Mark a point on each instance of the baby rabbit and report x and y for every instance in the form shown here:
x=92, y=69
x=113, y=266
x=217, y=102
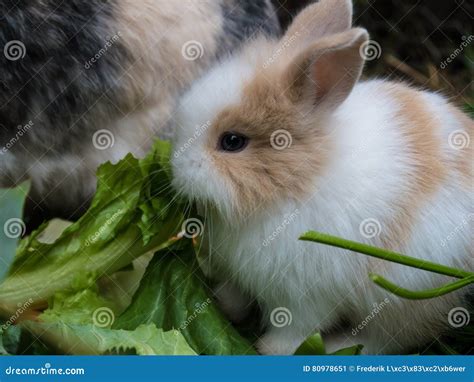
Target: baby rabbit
x=283, y=138
x=87, y=81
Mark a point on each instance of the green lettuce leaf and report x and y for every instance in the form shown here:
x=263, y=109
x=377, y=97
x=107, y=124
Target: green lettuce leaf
x=352, y=350
x=132, y=213
x=93, y=340
x=174, y=295
x=78, y=322
x=77, y=307
x=314, y=345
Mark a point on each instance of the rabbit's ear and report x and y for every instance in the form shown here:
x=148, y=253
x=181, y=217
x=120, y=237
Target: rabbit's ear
x=318, y=20
x=325, y=73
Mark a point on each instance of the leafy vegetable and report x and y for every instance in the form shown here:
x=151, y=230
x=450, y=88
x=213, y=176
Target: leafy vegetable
x=132, y=212
x=78, y=322
x=173, y=295
x=12, y=226
x=90, y=339
x=314, y=345
x=77, y=307
x=130, y=215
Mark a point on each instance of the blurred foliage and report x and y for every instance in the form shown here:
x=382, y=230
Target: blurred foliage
x=416, y=37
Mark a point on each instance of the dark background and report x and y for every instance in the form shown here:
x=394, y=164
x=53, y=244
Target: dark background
x=416, y=37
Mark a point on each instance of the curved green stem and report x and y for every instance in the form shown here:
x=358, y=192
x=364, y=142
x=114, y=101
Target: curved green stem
x=420, y=295
x=384, y=254
x=465, y=277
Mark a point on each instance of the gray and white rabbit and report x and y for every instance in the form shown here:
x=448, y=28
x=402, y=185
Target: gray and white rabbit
x=83, y=82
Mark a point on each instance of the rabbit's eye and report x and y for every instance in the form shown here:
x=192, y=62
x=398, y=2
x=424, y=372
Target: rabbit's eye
x=233, y=142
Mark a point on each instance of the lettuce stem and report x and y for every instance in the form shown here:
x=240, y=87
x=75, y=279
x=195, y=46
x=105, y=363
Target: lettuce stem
x=43, y=283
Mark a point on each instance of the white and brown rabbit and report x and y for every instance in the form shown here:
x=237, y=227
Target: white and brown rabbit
x=283, y=138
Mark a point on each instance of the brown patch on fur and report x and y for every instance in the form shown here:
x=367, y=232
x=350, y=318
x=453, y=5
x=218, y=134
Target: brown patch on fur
x=291, y=99
x=425, y=152
x=261, y=174
x=464, y=158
